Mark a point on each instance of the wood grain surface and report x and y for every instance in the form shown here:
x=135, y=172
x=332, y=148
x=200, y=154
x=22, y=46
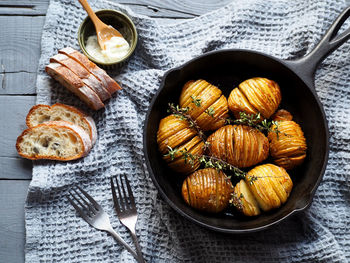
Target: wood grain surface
x=21, y=23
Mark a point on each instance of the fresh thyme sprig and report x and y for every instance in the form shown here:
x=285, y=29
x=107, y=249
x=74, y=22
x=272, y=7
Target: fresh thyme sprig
x=254, y=121
x=246, y=119
x=206, y=160
x=217, y=163
x=182, y=113
x=171, y=153
x=213, y=162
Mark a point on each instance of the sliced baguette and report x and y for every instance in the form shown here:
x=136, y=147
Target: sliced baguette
x=89, y=79
x=54, y=140
x=60, y=112
x=110, y=84
x=73, y=83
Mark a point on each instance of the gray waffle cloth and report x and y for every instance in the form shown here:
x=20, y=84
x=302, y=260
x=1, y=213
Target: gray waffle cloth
x=285, y=29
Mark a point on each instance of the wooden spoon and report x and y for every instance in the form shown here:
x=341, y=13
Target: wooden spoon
x=104, y=32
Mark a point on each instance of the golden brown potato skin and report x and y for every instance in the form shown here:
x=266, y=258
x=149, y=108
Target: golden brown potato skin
x=272, y=186
x=175, y=133
x=288, y=149
x=239, y=145
x=210, y=98
x=282, y=115
x=255, y=95
x=207, y=190
x=244, y=200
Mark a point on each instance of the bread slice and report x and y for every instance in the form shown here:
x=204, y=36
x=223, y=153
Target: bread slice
x=73, y=83
x=54, y=140
x=60, y=112
x=89, y=79
x=110, y=84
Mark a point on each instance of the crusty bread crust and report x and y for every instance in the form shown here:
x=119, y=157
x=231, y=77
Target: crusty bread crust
x=80, y=135
x=110, y=84
x=31, y=119
x=73, y=83
x=32, y=111
x=93, y=129
x=89, y=79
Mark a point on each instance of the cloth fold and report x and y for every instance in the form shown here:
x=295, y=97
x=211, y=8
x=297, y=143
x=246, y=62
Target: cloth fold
x=285, y=29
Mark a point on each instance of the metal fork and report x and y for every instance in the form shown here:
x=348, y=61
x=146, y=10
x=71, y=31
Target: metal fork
x=126, y=209
x=93, y=213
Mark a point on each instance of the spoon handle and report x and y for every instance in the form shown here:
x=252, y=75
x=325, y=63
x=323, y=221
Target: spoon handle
x=97, y=22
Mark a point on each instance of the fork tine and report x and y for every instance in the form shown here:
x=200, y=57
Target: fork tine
x=115, y=199
x=122, y=199
x=97, y=206
x=131, y=196
x=77, y=208
x=77, y=200
x=75, y=205
x=124, y=192
x=90, y=207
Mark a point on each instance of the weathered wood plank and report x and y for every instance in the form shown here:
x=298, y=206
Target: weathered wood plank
x=17, y=83
x=13, y=111
x=20, y=43
x=19, y=53
x=23, y=7
x=12, y=231
x=15, y=168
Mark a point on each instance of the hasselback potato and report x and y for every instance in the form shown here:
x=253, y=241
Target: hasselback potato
x=207, y=190
x=255, y=95
x=265, y=187
x=288, y=147
x=206, y=104
x=175, y=133
x=270, y=185
x=239, y=145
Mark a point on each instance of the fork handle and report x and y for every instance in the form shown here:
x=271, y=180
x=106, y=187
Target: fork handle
x=138, y=248
x=121, y=241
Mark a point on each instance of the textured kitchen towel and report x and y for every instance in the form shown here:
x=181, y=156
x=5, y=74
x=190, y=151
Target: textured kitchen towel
x=285, y=29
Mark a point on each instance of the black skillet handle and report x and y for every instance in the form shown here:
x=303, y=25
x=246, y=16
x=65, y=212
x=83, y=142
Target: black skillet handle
x=306, y=66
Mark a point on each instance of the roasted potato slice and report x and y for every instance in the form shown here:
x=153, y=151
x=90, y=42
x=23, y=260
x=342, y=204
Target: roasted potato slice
x=207, y=190
x=239, y=145
x=175, y=133
x=255, y=95
x=288, y=147
x=206, y=104
x=270, y=185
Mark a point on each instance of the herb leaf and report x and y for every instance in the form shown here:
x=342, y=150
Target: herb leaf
x=254, y=121
x=210, y=112
x=196, y=101
x=182, y=113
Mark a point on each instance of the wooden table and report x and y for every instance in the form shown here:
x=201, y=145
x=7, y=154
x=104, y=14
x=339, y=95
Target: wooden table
x=21, y=23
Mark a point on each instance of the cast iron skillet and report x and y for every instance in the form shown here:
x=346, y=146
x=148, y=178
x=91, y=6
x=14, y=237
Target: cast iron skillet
x=226, y=69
